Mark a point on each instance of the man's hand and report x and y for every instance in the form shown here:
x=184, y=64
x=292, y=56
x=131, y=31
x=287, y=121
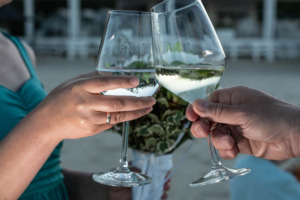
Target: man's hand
x=260, y=124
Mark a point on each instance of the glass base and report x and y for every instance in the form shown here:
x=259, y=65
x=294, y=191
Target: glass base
x=121, y=178
x=218, y=175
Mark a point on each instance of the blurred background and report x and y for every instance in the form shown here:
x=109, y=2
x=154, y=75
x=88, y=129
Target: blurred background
x=261, y=38
x=255, y=29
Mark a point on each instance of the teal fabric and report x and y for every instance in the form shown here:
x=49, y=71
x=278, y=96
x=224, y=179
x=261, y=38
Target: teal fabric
x=265, y=181
x=14, y=106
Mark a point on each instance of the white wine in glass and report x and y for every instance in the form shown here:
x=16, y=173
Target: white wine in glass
x=126, y=49
x=190, y=82
x=189, y=62
x=147, y=87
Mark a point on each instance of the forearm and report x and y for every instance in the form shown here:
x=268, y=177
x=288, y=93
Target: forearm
x=80, y=185
x=22, y=153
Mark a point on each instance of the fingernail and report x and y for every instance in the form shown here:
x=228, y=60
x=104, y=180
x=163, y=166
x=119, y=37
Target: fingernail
x=224, y=142
x=198, y=131
x=201, y=104
x=134, y=81
x=205, y=120
x=151, y=100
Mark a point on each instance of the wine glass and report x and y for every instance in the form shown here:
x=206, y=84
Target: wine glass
x=189, y=61
x=126, y=49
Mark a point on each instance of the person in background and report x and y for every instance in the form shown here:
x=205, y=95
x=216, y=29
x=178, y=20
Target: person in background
x=261, y=126
x=34, y=124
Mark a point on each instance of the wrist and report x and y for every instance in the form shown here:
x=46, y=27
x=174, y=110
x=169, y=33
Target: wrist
x=37, y=125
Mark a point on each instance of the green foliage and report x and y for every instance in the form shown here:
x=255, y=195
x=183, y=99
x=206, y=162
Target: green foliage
x=158, y=131
x=177, y=63
x=178, y=47
x=107, y=65
x=137, y=65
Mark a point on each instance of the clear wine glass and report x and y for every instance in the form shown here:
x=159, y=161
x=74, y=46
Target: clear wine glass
x=126, y=49
x=189, y=61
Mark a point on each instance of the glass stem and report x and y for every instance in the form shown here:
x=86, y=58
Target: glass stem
x=123, y=165
x=214, y=156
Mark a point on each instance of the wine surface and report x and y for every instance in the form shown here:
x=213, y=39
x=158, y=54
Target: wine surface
x=147, y=87
x=190, y=82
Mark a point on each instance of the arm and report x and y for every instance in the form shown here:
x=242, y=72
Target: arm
x=22, y=153
x=72, y=110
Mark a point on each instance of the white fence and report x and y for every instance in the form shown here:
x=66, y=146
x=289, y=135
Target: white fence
x=259, y=48
x=255, y=49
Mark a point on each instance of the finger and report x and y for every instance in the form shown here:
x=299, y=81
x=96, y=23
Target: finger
x=242, y=143
x=218, y=112
x=167, y=187
x=118, y=117
x=117, y=193
x=164, y=196
x=168, y=182
x=190, y=114
x=98, y=84
x=167, y=174
x=120, y=103
x=229, y=154
x=221, y=140
x=200, y=128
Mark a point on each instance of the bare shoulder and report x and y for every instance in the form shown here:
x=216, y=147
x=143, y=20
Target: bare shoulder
x=30, y=53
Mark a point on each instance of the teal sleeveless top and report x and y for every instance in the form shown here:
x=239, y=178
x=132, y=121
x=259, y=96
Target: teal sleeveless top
x=14, y=106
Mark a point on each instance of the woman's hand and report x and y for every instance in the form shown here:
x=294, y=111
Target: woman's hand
x=72, y=110
x=75, y=109
x=260, y=124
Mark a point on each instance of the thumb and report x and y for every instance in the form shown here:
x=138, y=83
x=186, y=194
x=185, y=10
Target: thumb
x=217, y=112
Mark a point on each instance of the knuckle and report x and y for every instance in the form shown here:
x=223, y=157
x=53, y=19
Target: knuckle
x=102, y=82
x=117, y=104
x=214, y=94
x=140, y=104
x=143, y=103
x=123, y=82
x=219, y=110
x=240, y=89
x=81, y=106
x=242, y=113
x=74, y=88
x=120, y=117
